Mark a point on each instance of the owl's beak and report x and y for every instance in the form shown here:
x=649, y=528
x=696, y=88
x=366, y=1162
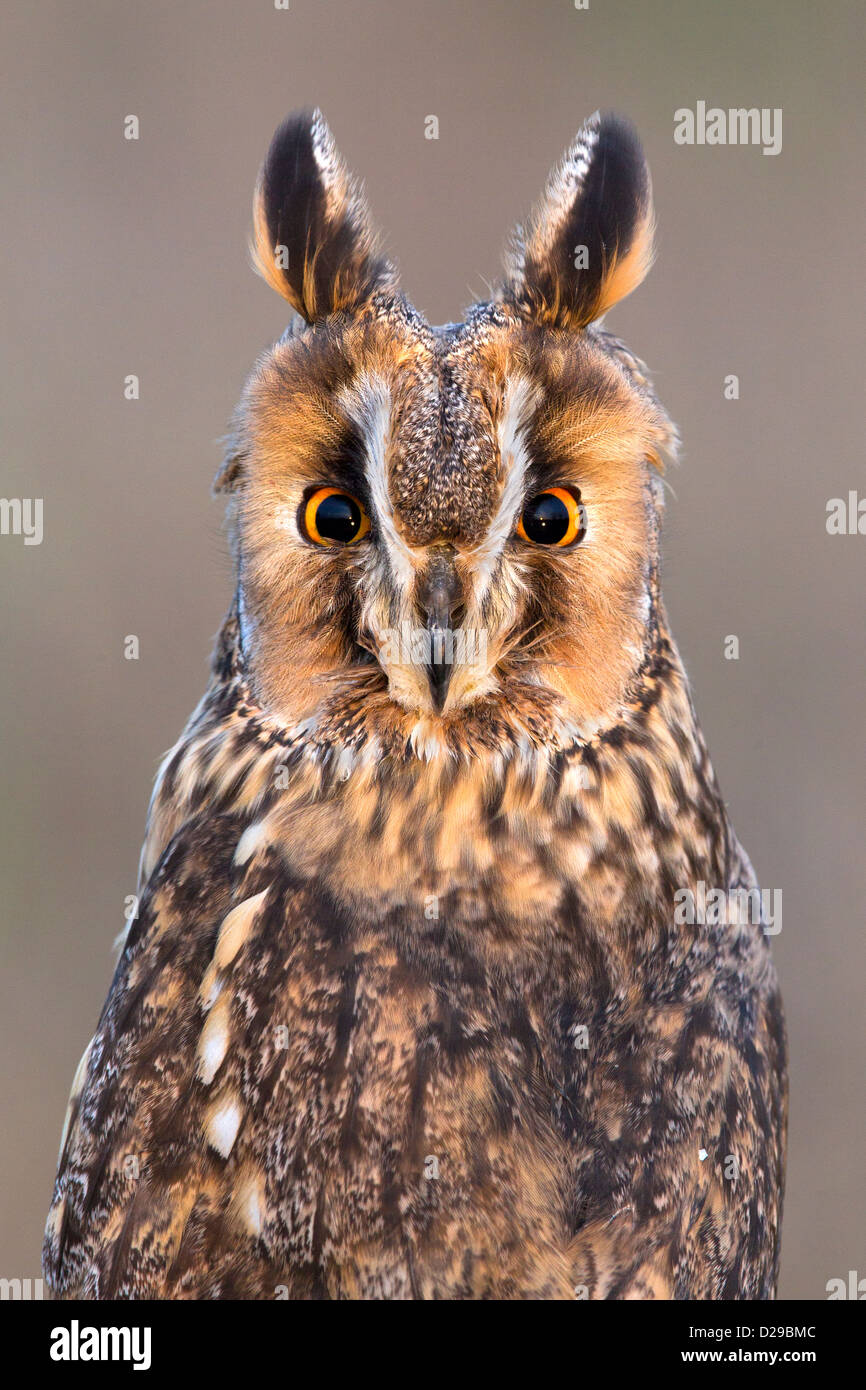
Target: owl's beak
x=440, y=595
x=439, y=670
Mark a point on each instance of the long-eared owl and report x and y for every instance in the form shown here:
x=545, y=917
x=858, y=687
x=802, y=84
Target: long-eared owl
x=411, y=1007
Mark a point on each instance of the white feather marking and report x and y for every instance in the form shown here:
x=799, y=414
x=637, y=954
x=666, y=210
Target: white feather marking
x=344, y=763
x=371, y=754
x=564, y=186
x=305, y=729
x=77, y=1087
x=324, y=151
x=247, y=1206
x=222, y=1124
x=368, y=403
x=56, y=1215
x=246, y=625
x=253, y=839
x=214, y=1040
x=520, y=401
x=210, y=987
x=235, y=929
x=343, y=193
x=426, y=743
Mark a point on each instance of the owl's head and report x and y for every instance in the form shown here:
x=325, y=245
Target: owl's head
x=443, y=528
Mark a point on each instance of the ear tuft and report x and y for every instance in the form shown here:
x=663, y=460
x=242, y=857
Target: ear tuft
x=589, y=241
x=312, y=237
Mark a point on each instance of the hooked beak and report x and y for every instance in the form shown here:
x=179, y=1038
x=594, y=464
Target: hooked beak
x=440, y=596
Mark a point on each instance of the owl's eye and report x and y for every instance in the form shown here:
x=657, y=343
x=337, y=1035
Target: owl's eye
x=332, y=517
x=553, y=517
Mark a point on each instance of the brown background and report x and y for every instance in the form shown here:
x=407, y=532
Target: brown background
x=130, y=257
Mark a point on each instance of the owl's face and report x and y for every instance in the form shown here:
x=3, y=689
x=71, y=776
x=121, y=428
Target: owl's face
x=448, y=526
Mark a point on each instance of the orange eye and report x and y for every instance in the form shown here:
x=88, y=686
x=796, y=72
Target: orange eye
x=333, y=517
x=553, y=517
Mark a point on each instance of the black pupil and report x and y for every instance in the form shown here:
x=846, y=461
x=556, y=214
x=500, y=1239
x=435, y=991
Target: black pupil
x=338, y=518
x=545, y=519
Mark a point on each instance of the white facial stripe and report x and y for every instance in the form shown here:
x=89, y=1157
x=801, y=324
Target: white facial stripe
x=368, y=404
x=521, y=397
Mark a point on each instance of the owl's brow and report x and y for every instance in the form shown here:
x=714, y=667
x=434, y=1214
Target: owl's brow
x=601, y=434
x=368, y=404
x=521, y=398
x=606, y=432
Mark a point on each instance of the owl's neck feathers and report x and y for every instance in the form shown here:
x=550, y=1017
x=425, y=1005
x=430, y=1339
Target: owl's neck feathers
x=419, y=808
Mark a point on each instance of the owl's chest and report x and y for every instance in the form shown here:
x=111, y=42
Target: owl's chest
x=434, y=1074
x=438, y=1002
x=408, y=1109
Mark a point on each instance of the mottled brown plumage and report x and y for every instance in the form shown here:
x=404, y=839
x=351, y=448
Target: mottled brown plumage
x=407, y=1011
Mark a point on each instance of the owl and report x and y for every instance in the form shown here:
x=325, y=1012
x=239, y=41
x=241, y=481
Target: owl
x=412, y=1006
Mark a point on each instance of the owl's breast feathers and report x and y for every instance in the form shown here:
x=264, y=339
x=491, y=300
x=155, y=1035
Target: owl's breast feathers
x=408, y=1020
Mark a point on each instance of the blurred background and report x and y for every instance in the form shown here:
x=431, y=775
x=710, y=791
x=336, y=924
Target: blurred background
x=129, y=257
